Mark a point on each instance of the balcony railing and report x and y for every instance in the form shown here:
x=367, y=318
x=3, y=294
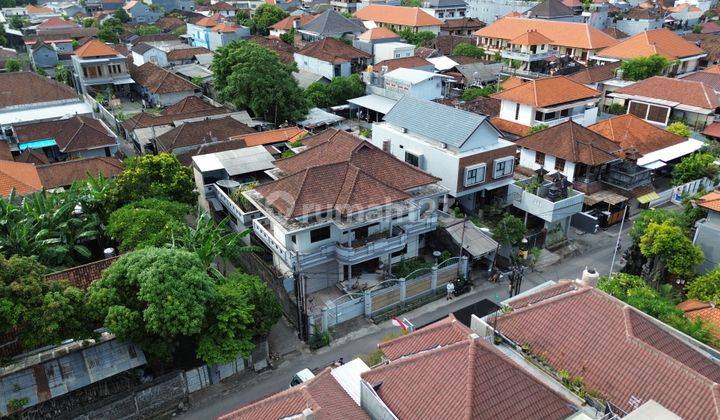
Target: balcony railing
x=242, y=217
x=626, y=175
x=525, y=55
x=585, y=118
x=540, y=205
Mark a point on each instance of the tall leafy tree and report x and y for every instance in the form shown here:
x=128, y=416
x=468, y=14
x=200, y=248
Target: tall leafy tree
x=121, y=15
x=669, y=249
x=267, y=15
x=695, y=166
x=147, y=223
x=63, y=75
x=706, y=287
x=253, y=77
x=468, y=50
x=419, y=38
x=509, y=230
x=643, y=67
x=12, y=65
x=337, y=92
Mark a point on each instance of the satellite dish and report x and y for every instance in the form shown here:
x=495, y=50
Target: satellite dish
x=227, y=184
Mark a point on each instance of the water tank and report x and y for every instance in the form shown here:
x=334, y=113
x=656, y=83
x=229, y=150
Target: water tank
x=590, y=276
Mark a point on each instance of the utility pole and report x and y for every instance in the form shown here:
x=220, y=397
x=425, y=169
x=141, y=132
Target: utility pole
x=617, y=243
x=300, y=296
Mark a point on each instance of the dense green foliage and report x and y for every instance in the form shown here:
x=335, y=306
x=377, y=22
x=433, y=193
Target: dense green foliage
x=110, y=30
x=659, y=304
x=3, y=37
x=537, y=128
x=419, y=38
x=671, y=246
x=695, y=166
x=337, y=92
x=265, y=16
x=468, y=50
x=679, y=128
x=509, y=230
x=474, y=92
x=288, y=37
x=252, y=77
x=63, y=75
x=643, y=67
x=706, y=287
x=147, y=223
x=12, y=65
x=121, y=15
x=147, y=30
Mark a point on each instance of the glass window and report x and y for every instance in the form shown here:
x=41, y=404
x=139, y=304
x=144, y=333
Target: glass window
x=321, y=234
x=538, y=116
x=412, y=159
x=474, y=175
x=559, y=164
x=503, y=167
x=565, y=112
x=540, y=158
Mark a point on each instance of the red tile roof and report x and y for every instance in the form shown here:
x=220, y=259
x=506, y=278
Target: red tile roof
x=470, y=379
x=595, y=74
x=378, y=33
x=710, y=201
x=21, y=177
x=186, y=53
x=397, y=15
x=20, y=88
x=572, y=142
x=619, y=352
x=158, y=80
x=322, y=394
x=438, y=334
x=84, y=275
x=712, y=130
x=631, y=132
x=95, y=48
x=547, y=92
x=709, y=313
x=73, y=134
x=332, y=51
x=206, y=22
x=658, y=41
x=510, y=126
x=62, y=174
x=288, y=23
x=195, y=133
x=56, y=22
x=686, y=92
x=273, y=136
x=405, y=62
x=568, y=34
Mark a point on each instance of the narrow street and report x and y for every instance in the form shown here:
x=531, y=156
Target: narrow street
x=593, y=251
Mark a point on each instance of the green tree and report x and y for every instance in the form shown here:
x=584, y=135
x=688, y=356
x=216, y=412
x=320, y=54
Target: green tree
x=537, y=128
x=697, y=29
x=3, y=37
x=153, y=176
x=509, y=230
x=419, y=38
x=63, y=75
x=198, y=81
x=475, y=92
x=253, y=77
x=88, y=22
x=643, y=67
x=267, y=15
x=157, y=298
x=147, y=30
x=411, y=3
x=669, y=248
x=110, y=30
x=337, y=92
x=147, y=223
x=121, y=15
x=12, y=65
x=706, y=287
x=17, y=22
x=695, y=166
x=468, y=50
x=643, y=220
x=4, y=4
x=288, y=37
x=679, y=128
x=266, y=308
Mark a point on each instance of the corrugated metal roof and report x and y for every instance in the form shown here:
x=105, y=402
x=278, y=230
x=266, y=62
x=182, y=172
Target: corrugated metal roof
x=438, y=122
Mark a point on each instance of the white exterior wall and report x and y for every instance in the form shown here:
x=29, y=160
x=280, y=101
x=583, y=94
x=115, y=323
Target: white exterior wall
x=525, y=117
x=151, y=56
x=633, y=27
x=489, y=11
x=527, y=160
x=319, y=67
x=167, y=99
x=392, y=50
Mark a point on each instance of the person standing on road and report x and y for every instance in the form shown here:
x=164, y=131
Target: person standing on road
x=450, y=287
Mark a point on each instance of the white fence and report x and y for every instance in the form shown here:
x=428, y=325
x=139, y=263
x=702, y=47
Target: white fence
x=676, y=194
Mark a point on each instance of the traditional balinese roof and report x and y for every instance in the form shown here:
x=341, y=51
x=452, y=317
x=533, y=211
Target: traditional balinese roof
x=340, y=172
x=547, y=92
x=572, y=142
x=21, y=177
x=190, y=134
x=20, y=88
x=62, y=174
x=568, y=34
x=397, y=15
x=332, y=51
x=686, y=92
x=158, y=80
x=620, y=353
x=95, y=48
x=73, y=134
x=631, y=132
x=658, y=41
x=595, y=74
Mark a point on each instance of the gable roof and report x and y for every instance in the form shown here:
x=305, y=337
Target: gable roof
x=77, y=133
x=378, y=33
x=615, y=33
x=32, y=9
x=430, y=119
x=205, y=22
x=405, y=62
x=686, y=92
x=283, y=50
x=186, y=53
x=547, y=91
x=289, y=22
x=438, y=334
x=22, y=177
x=710, y=201
x=330, y=23
x=631, y=132
x=273, y=136
x=185, y=109
x=572, y=142
x=158, y=80
x=550, y=9
x=658, y=41
x=616, y=349
x=568, y=34
x=95, y=48
x=195, y=133
x=332, y=51
x=82, y=276
x=20, y=88
x=57, y=22
x=531, y=37
x=595, y=74
x=61, y=174
x=397, y=15
x=470, y=379
x=708, y=312
x=708, y=78
x=342, y=172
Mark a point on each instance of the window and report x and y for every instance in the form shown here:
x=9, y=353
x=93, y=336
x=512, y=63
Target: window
x=517, y=111
x=503, y=167
x=540, y=158
x=538, y=116
x=412, y=159
x=474, y=174
x=559, y=164
x=565, y=112
x=321, y=234
x=638, y=109
x=658, y=114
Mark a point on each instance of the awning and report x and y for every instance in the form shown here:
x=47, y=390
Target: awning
x=604, y=196
x=37, y=144
x=672, y=152
x=474, y=241
x=655, y=165
x=123, y=81
x=644, y=199
x=376, y=103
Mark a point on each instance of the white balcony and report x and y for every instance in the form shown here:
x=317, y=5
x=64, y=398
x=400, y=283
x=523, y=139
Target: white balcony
x=242, y=219
x=588, y=117
x=540, y=205
x=526, y=55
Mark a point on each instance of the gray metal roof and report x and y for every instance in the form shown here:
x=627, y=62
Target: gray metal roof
x=479, y=72
x=331, y=22
x=435, y=121
x=474, y=241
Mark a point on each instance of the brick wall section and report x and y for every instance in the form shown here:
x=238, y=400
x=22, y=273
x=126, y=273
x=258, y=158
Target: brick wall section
x=83, y=276
x=489, y=159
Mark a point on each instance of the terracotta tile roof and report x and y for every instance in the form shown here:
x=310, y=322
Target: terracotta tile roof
x=378, y=33
x=144, y=119
x=568, y=34
x=190, y=104
x=479, y=105
x=32, y=9
x=547, y=92
x=511, y=82
x=619, y=352
x=84, y=275
x=333, y=51
x=22, y=177
x=710, y=201
x=631, y=132
x=95, y=48
x=73, y=134
x=438, y=334
x=205, y=22
x=158, y=80
x=425, y=52
x=659, y=41
x=572, y=142
x=445, y=44
x=686, y=92
x=61, y=174
x=225, y=28
x=5, y=153
x=169, y=23
x=463, y=23
x=707, y=312
x=33, y=156
x=531, y=37
x=283, y=50
x=273, y=136
x=712, y=130
x=155, y=38
x=186, y=53
x=55, y=22
x=615, y=33
x=595, y=74
x=713, y=69
x=287, y=23
x=710, y=28
x=20, y=88
x=195, y=133
x=342, y=172
x=510, y=126
x=405, y=62
x=322, y=394
x=470, y=379
x=710, y=43
x=397, y=15
x=712, y=80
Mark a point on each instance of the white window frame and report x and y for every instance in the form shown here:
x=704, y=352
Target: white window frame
x=505, y=172
x=419, y=157
x=478, y=179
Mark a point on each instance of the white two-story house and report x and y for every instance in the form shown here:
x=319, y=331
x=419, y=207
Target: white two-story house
x=98, y=68
x=342, y=208
x=461, y=148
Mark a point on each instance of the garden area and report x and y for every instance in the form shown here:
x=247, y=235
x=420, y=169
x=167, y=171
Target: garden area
x=169, y=291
